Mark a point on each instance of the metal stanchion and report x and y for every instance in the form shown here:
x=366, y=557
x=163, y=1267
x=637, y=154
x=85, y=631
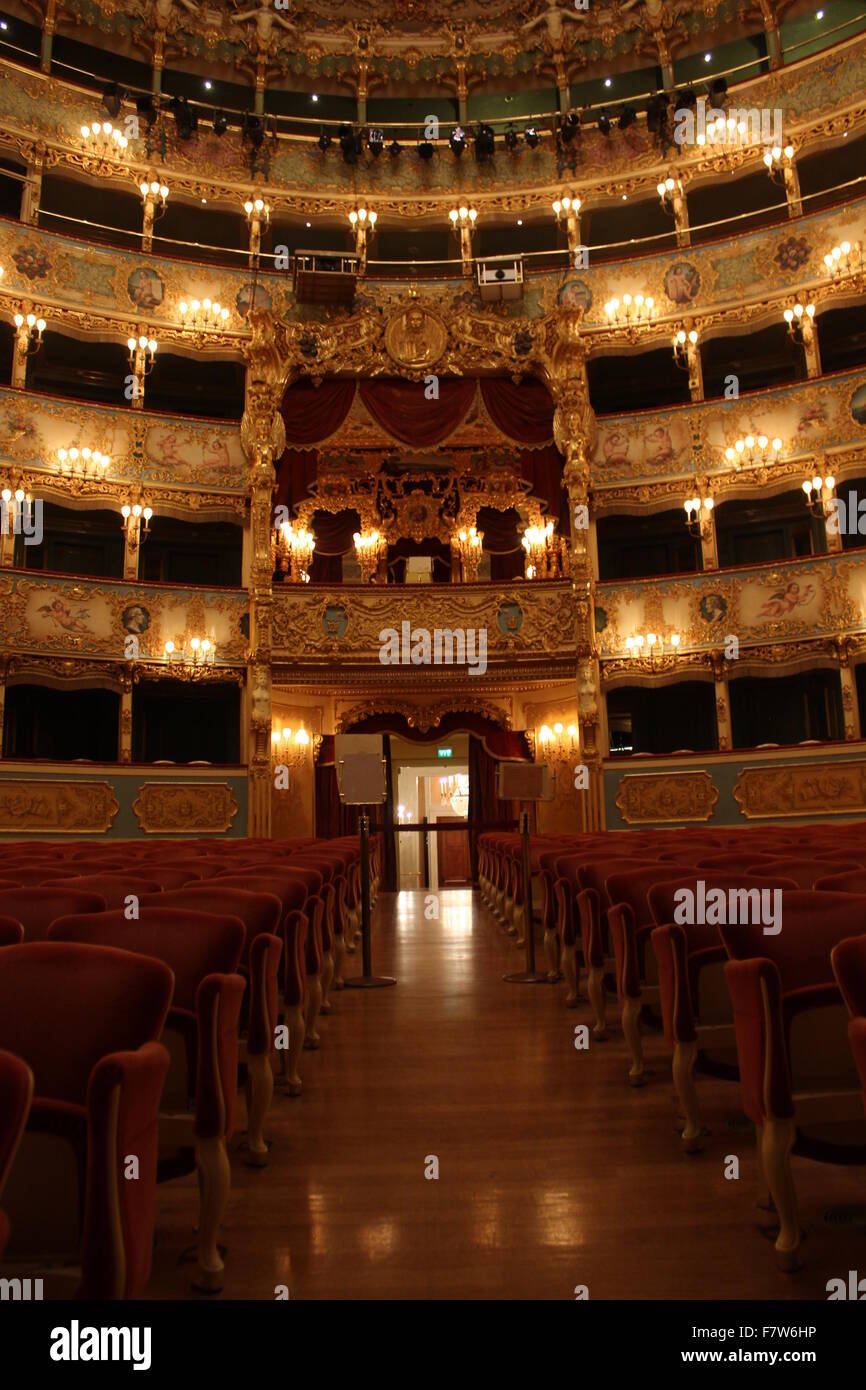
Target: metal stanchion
x=529, y=976
x=367, y=980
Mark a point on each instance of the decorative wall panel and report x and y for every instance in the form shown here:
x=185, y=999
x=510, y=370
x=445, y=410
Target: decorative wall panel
x=664, y=797
x=185, y=808
x=77, y=808
x=779, y=792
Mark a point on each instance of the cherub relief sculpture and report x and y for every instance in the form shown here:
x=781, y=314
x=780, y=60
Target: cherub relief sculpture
x=265, y=17
x=162, y=13
x=553, y=18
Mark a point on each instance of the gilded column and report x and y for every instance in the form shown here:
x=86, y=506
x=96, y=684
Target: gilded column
x=48, y=27
x=574, y=432
x=263, y=437
x=771, y=28
x=723, y=703
x=125, y=749
x=32, y=189
x=850, y=703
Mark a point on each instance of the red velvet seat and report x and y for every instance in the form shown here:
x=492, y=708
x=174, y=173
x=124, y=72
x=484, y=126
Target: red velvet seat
x=16, y=1094
x=803, y=869
x=114, y=889
x=98, y=1075
x=197, y=1115
x=11, y=932
x=592, y=902
x=799, y=1082
x=852, y=881
x=849, y=967
x=696, y=1007
x=36, y=908
x=261, y=914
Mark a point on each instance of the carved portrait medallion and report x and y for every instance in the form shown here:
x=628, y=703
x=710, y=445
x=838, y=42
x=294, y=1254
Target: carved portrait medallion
x=415, y=337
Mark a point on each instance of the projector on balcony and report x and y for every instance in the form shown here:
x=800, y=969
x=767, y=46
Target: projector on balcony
x=500, y=277
x=325, y=277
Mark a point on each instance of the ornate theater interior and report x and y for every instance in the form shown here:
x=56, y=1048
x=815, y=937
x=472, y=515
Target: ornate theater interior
x=432, y=650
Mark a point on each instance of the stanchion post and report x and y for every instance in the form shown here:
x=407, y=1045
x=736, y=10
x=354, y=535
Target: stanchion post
x=529, y=976
x=367, y=980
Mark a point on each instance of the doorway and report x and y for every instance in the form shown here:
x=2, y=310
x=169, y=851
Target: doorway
x=431, y=785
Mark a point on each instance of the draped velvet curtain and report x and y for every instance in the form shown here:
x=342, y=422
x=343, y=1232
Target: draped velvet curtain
x=485, y=806
x=523, y=413
x=502, y=542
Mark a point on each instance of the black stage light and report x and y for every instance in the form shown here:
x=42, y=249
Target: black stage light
x=185, y=119
x=627, y=117
x=252, y=131
x=485, y=141
x=146, y=109
x=687, y=99
x=348, y=145
x=657, y=113
x=394, y=149
x=530, y=135
x=220, y=122
x=111, y=98
x=324, y=141
x=457, y=140
x=425, y=149
x=511, y=138
x=375, y=141
x=604, y=123
x=718, y=89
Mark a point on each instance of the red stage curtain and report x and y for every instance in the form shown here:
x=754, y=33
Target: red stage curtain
x=542, y=469
x=296, y=471
x=403, y=411
x=313, y=413
x=523, y=413
x=502, y=542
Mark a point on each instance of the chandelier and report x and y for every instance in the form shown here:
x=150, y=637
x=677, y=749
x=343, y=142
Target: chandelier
x=202, y=315
x=466, y=545
x=653, y=652
x=193, y=656
x=631, y=310
x=455, y=790
x=83, y=463
x=104, y=139
x=751, y=450
x=294, y=552
x=369, y=549
x=542, y=558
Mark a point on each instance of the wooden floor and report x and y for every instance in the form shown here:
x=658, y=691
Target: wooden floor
x=552, y=1172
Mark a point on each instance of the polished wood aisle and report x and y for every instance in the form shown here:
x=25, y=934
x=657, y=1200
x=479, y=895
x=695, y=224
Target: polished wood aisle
x=552, y=1172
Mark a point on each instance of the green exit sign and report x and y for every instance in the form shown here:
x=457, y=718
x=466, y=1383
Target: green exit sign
x=443, y=752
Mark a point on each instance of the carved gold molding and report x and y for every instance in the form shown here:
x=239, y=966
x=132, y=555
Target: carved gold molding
x=78, y=808
x=662, y=798
x=780, y=792
x=188, y=808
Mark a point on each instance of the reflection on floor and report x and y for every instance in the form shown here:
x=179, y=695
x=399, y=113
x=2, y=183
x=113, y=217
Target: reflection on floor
x=552, y=1172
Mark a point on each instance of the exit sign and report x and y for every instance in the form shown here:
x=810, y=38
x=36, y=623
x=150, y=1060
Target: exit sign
x=443, y=752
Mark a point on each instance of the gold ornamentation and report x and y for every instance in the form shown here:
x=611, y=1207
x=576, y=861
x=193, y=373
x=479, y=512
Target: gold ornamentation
x=77, y=808
x=807, y=789
x=662, y=798
x=185, y=808
x=424, y=717
x=415, y=337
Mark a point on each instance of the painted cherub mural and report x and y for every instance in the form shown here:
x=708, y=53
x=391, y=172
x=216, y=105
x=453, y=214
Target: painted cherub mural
x=658, y=446
x=615, y=446
x=65, y=617
x=784, y=601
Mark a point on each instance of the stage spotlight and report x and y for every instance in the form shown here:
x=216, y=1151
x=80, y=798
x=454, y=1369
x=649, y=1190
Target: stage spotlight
x=718, y=89
x=425, y=149
x=324, y=141
x=146, y=109
x=252, y=131
x=627, y=117
x=349, y=145
x=220, y=122
x=687, y=99
x=530, y=135
x=111, y=98
x=657, y=113
x=185, y=118
x=457, y=140
x=485, y=141
x=394, y=148
x=511, y=138
x=375, y=141
x=604, y=123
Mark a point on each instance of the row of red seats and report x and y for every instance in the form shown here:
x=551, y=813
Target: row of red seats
x=776, y=1001
x=135, y=979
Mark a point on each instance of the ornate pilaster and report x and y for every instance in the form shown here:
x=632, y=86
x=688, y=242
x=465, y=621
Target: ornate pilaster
x=32, y=189
x=850, y=703
x=49, y=24
x=723, y=702
x=771, y=28
x=125, y=749
x=574, y=432
x=263, y=438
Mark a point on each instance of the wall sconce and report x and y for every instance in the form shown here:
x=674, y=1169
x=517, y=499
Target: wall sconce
x=819, y=493
x=631, y=310
x=257, y=210
x=752, y=450
x=844, y=259
x=698, y=515
x=104, y=140
x=85, y=463
x=652, y=652
x=467, y=546
x=153, y=197
x=369, y=549
x=566, y=208
x=799, y=320
x=463, y=223
x=142, y=351
x=136, y=523
x=202, y=316
x=683, y=340
x=558, y=742
x=363, y=225
x=286, y=749
x=667, y=191
x=28, y=336
x=17, y=501
x=194, y=656
x=294, y=552
x=778, y=160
